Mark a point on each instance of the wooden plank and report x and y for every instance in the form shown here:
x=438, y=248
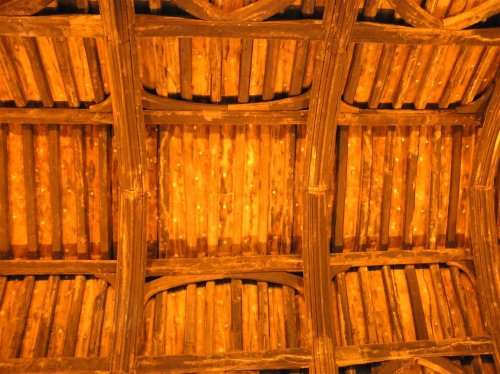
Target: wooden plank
x=370, y=353
x=11, y=75
x=4, y=197
x=55, y=191
x=126, y=92
x=456, y=162
x=19, y=324
x=55, y=364
x=30, y=190
x=48, y=267
x=294, y=358
x=74, y=25
x=74, y=312
x=46, y=317
x=384, y=33
x=36, y=63
x=149, y=25
x=64, y=61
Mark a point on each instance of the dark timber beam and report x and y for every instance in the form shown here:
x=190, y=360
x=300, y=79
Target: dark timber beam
x=235, y=264
x=363, y=117
x=329, y=76
x=369, y=32
x=118, y=20
x=484, y=230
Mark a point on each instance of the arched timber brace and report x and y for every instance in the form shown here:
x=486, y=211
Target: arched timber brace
x=118, y=19
x=484, y=230
x=329, y=76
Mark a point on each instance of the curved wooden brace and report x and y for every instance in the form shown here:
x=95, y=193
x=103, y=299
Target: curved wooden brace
x=466, y=269
x=257, y=11
x=415, y=15
x=22, y=7
x=478, y=105
x=155, y=102
x=472, y=16
x=166, y=283
x=391, y=367
x=104, y=106
x=336, y=269
x=110, y=278
x=439, y=365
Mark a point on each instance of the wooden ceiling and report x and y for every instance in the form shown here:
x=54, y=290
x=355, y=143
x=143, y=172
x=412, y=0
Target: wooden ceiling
x=289, y=186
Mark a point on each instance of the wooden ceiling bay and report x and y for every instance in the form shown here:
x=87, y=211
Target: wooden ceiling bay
x=249, y=186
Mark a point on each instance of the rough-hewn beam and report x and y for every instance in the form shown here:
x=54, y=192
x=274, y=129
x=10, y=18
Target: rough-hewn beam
x=369, y=32
x=55, y=364
x=149, y=25
x=293, y=358
x=52, y=267
x=78, y=25
x=329, y=76
x=364, y=117
x=126, y=89
x=484, y=230
x=365, y=354
x=234, y=264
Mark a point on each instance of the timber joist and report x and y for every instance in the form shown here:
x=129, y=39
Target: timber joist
x=236, y=186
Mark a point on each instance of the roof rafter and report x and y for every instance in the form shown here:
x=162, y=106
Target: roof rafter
x=118, y=21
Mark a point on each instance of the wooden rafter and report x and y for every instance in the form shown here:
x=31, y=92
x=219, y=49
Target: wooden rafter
x=484, y=230
x=118, y=21
x=328, y=82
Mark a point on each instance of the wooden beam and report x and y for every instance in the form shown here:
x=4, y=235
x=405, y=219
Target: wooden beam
x=55, y=364
x=75, y=25
x=328, y=83
x=54, y=115
x=126, y=90
x=234, y=264
x=150, y=25
x=362, y=117
x=484, y=230
x=52, y=267
x=369, y=32
x=369, y=353
x=264, y=118
x=292, y=358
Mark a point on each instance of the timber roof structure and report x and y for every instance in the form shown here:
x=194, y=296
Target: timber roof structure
x=249, y=186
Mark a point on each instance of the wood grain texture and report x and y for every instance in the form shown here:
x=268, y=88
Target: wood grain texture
x=118, y=18
x=484, y=233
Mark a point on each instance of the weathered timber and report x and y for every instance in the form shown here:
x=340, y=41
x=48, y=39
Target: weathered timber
x=484, y=231
x=259, y=118
x=148, y=25
x=30, y=190
x=365, y=354
x=54, y=115
x=118, y=21
x=55, y=364
x=22, y=8
x=234, y=264
x=52, y=267
x=293, y=358
x=330, y=72
x=55, y=191
x=78, y=25
x=415, y=15
x=369, y=32
x=4, y=197
x=347, y=117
